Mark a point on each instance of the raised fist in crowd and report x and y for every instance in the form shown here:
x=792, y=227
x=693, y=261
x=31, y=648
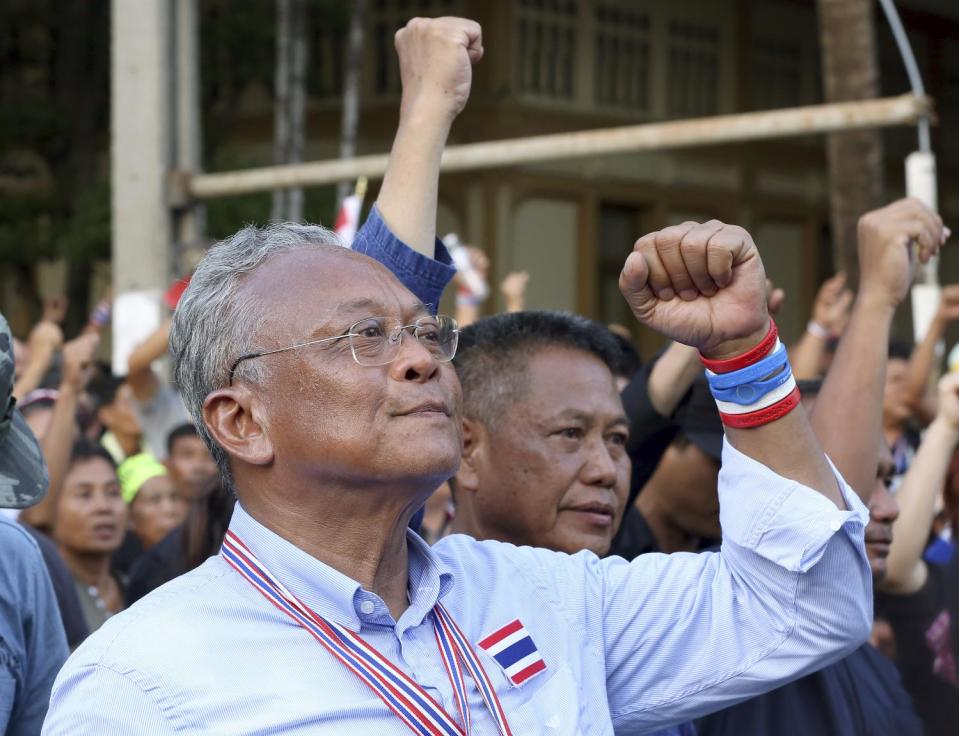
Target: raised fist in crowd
x=830, y=310
x=701, y=284
x=949, y=400
x=436, y=57
x=55, y=309
x=513, y=289
x=886, y=238
x=78, y=355
x=948, y=310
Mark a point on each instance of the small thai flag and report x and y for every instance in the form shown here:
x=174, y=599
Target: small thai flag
x=513, y=649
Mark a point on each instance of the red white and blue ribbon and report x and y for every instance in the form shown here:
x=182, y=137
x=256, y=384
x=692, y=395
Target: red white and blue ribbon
x=400, y=693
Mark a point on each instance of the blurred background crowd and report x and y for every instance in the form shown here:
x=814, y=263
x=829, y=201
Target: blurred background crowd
x=134, y=496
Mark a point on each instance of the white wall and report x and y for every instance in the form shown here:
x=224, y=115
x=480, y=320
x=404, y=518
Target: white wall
x=543, y=241
x=781, y=247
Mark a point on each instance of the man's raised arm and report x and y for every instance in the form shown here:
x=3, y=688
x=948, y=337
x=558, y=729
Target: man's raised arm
x=436, y=58
x=847, y=417
x=704, y=285
x=791, y=589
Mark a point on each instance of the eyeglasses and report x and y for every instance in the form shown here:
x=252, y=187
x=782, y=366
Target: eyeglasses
x=376, y=340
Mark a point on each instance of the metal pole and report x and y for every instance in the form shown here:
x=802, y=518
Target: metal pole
x=141, y=140
x=190, y=222
x=723, y=129
x=351, y=92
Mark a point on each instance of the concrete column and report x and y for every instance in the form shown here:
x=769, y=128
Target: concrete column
x=190, y=222
x=141, y=143
x=141, y=147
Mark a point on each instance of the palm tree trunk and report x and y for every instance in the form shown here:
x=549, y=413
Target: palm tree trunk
x=850, y=71
x=351, y=92
x=289, y=115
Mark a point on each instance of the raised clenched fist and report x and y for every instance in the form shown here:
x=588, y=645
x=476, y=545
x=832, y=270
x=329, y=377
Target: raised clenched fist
x=436, y=57
x=949, y=400
x=886, y=238
x=948, y=304
x=701, y=284
x=78, y=356
x=831, y=307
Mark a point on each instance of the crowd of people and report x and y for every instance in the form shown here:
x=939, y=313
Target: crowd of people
x=332, y=522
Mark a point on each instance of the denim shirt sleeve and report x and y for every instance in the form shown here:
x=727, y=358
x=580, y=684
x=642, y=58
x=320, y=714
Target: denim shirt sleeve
x=33, y=646
x=425, y=277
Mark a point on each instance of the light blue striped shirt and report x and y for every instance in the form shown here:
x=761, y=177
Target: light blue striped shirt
x=628, y=646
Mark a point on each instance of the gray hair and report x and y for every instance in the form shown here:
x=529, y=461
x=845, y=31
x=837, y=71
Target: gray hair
x=214, y=323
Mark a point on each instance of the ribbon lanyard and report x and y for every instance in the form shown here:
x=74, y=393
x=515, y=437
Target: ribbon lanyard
x=401, y=694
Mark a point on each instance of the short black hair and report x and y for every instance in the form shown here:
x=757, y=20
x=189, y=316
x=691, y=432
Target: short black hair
x=899, y=350
x=493, y=354
x=809, y=387
x=104, y=388
x=181, y=430
x=629, y=361
x=84, y=449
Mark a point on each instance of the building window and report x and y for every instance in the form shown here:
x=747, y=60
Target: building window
x=325, y=66
x=546, y=47
x=777, y=73
x=622, y=57
x=388, y=17
x=618, y=227
x=693, y=71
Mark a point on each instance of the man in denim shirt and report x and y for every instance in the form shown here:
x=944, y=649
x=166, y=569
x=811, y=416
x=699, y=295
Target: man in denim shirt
x=32, y=643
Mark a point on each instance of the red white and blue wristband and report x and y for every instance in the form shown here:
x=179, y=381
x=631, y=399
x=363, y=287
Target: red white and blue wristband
x=754, y=388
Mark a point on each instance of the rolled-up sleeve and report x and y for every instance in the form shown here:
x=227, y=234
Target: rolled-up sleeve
x=782, y=520
x=789, y=593
x=425, y=277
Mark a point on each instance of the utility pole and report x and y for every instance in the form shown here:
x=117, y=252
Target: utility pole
x=289, y=117
x=351, y=93
x=850, y=70
x=141, y=144
x=189, y=221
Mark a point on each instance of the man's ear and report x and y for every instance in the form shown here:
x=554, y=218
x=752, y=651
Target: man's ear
x=475, y=447
x=233, y=416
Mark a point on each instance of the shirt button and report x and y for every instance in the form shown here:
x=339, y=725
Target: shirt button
x=835, y=524
x=367, y=607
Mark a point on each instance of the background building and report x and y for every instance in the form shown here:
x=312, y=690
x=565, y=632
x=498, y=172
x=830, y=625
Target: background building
x=564, y=65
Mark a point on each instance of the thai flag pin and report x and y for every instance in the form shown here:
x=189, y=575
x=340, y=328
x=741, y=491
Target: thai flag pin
x=513, y=649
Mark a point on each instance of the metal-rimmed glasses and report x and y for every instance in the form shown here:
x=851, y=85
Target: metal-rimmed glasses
x=376, y=340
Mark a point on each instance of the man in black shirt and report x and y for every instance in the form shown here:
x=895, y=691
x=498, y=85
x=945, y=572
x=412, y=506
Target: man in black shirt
x=678, y=509
x=920, y=599
x=860, y=694
x=926, y=628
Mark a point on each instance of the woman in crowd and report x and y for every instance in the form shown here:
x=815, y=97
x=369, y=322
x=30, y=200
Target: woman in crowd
x=89, y=524
x=156, y=507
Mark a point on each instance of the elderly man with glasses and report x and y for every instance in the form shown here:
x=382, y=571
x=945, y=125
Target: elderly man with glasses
x=321, y=381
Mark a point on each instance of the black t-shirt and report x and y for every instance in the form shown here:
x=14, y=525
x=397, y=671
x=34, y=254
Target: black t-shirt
x=860, y=695
x=126, y=556
x=926, y=626
x=649, y=435
x=158, y=565
x=635, y=538
x=71, y=613
x=649, y=431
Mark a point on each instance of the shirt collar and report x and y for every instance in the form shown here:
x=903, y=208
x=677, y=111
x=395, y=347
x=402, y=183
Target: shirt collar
x=330, y=593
